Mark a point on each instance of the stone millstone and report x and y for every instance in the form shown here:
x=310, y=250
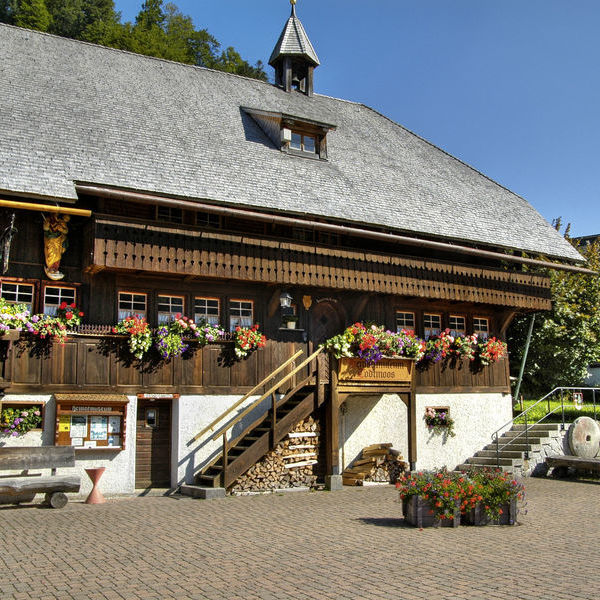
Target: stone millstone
x=584, y=437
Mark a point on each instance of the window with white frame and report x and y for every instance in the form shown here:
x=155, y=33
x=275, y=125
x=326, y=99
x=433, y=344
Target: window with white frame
x=432, y=325
x=18, y=293
x=132, y=304
x=55, y=296
x=241, y=312
x=206, y=310
x=457, y=325
x=481, y=326
x=168, y=307
x=303, y=142
x=405, y=320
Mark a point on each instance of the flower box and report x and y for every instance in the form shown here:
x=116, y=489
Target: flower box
x=387, y=371
x=477, y=516
x=419, y=513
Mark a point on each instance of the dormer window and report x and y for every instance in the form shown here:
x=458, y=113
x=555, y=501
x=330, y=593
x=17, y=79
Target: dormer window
x=293, y=134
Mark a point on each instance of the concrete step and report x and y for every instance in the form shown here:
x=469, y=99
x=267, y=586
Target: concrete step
x=536, y=427
x=531, y=439
x=515, y=446
x=204, y=493
x=468, y=467
x=502, y=454
x=491, y=461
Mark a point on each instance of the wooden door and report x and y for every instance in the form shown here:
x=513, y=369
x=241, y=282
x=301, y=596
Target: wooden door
x=325, y=321
x=153, y=444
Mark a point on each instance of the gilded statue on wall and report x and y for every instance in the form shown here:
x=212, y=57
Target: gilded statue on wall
x=55, y=243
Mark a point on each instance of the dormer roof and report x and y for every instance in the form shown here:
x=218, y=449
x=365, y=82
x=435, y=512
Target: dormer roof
x=294, y=42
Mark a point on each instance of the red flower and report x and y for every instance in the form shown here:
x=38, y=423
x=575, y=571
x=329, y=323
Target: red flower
x=68, y=316
x=63, y=305
x=80, y=314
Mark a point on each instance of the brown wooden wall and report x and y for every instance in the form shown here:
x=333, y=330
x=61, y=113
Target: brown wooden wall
x=83, y=364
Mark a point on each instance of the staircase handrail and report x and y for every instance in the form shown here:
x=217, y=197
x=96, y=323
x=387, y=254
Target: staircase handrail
x=247, y=395
x=270, y=391
x=528, y=426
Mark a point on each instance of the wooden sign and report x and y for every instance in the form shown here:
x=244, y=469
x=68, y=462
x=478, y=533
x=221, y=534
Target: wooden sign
x=392, y=371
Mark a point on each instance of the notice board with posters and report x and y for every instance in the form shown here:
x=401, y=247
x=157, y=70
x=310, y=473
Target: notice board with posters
x=91, y=421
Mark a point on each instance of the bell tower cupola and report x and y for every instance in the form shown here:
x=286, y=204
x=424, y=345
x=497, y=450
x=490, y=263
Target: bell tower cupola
x=294, y=58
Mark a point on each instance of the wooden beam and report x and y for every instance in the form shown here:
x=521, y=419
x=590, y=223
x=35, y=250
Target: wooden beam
x=332, y=436
x=63, y=210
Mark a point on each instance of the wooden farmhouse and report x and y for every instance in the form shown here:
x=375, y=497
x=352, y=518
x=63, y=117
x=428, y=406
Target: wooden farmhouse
x=132, y=185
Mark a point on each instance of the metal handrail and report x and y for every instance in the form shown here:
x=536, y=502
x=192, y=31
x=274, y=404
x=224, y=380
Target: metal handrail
x=496, y=436
x=270, y=391
x=247, y=395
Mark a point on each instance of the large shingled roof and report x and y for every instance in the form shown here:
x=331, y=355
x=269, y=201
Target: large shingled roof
x=72, y=111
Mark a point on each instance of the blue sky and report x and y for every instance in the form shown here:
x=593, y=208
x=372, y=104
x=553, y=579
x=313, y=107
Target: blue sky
x=511, y=87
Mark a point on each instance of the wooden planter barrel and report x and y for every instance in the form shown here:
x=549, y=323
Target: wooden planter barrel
x=418, y=512
x=477, y=516
x=388, y=371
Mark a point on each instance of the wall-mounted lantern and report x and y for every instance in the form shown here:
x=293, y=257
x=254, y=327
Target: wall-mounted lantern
x=285, y=300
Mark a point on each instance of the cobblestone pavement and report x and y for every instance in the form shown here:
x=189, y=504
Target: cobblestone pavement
x=346, y=544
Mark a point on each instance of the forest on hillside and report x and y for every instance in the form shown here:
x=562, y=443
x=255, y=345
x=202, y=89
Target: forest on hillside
x=160, y=29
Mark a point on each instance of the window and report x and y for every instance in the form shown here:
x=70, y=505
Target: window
x=405, y=320
x=457, y=325
x=481, y=326
x=55, y=296
x=432, y=325
x=206, y=310
x=168, y=307
x=131, y=304
x=18, y=293
x=303, y=142
x=204, y=219
x=240, y=313
x=169, y=214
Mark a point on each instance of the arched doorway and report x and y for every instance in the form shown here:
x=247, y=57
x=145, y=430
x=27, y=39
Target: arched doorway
x=326, y=320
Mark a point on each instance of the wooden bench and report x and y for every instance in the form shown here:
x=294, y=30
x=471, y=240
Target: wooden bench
x=23, y=488
x=560, y=464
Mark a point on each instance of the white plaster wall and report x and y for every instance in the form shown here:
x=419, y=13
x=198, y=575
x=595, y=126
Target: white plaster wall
x=476, y=418
x=366, y=420
x=190, y=416
x=119, y=477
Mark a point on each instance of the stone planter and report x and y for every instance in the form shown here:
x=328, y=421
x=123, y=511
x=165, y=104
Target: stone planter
x=418, y=512
x=477, y=516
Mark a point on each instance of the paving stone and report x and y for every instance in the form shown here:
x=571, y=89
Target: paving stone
x=351, y=544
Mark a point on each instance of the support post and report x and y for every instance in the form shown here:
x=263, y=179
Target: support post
x=225, y=459
x=333, y=479
x=412, y=428
x=524, y=359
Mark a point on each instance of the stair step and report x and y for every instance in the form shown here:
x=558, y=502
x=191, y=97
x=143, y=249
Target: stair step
x=209, y=481
x=516, y=447
x=536, y=427
x=530, y=439
x=468, y=467
x=481, y=460
x=503, y=454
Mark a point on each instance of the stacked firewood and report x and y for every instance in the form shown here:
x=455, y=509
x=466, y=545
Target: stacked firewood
x=378, y=462
x=291, y=464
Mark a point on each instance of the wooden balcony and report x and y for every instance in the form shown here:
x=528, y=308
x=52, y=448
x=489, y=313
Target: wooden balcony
x=93, y=363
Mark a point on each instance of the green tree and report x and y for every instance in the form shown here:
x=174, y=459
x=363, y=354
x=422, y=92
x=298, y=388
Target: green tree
x=160, y=30
x=566, y=339
x=32, y=14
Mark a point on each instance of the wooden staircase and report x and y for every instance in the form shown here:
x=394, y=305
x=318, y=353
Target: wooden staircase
x=265, y=432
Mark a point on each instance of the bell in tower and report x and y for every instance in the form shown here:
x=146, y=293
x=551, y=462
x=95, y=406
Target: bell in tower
x=294, y=58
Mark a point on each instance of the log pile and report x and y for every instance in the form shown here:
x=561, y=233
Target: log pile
x=291, y=464
x=378, y=462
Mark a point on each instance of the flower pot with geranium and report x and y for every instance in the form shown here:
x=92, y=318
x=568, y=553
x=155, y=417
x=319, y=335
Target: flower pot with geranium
x=138, y=333
x=247, y=340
